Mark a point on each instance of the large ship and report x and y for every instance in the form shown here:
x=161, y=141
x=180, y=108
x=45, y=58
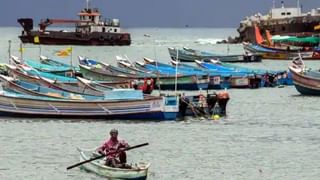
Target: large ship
x=280, y=21
x=89, y=30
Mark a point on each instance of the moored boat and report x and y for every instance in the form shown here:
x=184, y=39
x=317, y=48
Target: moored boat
x=23, y=87
x=168, y=79
x=190, y=55
x=269, y=49
x=138, y=172
x=67, y=71
x=307, y=82
x=281, y=54
x=72, y=87
x=148, y=108
x=89, y=30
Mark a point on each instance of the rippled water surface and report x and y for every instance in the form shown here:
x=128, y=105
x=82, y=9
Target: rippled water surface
x=269, y=133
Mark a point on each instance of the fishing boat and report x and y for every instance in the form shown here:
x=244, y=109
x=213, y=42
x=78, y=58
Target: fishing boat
x=23, y=87
x=127, y=64
x=268, y=49
x=274, y=53
x=89, y=30
x=68, y=82
x=71, y=87
x=55, y=63
x=112, y=69
x=190, y=55
x=138, y=172
x=148, y=108
x=49, y=61
x=94, y=86
x=164, y=81
x=236, y=79
x=306, y=81
x=168, y=78
x=61, y=70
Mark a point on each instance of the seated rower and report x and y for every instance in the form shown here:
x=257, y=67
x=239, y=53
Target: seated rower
x=119, y=158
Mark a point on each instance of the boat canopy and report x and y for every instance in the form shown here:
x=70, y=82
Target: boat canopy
x=294, y=39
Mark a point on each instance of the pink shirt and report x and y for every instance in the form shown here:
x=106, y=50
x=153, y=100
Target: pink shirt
x=111, y=146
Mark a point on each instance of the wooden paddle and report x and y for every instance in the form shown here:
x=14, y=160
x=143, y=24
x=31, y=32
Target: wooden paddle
x=89, y=160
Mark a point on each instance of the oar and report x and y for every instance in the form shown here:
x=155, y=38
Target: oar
x=89, y=160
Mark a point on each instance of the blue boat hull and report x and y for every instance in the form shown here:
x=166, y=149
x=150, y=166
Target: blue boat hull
x=150, y=108
x=167, y=116
x=186, y=86
x=307, y=91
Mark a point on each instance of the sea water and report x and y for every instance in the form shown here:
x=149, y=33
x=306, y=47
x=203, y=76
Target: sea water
x=268, y=133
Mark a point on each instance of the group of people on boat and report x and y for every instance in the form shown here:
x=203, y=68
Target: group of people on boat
x=272, y=80
x=207, y=106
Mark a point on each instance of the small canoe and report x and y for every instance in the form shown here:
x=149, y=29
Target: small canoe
x=137, y=172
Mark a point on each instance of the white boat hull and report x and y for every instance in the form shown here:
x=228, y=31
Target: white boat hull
x=139, y=172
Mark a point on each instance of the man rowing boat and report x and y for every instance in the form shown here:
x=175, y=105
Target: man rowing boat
x=113, y=144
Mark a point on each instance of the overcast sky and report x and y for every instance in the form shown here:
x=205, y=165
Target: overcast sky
x=147, y=13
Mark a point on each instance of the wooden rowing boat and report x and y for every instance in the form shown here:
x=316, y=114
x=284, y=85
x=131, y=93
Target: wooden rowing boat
x=138, y=172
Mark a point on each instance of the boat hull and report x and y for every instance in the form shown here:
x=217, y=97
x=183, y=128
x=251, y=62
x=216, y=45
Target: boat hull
x=98, y=168
x=150, y=108
x=191, y=57
x=306, y=85
x=163, y=82
x=280, y=54
x=73, y=38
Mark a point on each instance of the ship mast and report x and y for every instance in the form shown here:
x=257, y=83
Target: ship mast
x=299, y=7
x=273, y=4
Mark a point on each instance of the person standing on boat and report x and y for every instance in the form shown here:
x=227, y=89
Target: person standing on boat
x=113, y=144
x=183, y=105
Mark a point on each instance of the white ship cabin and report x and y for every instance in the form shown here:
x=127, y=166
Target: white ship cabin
x=285, y=12
x=91, y=22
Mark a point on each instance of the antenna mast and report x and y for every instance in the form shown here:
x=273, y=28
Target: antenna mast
x=273, y=4
x=298, y=7
x=88, y=4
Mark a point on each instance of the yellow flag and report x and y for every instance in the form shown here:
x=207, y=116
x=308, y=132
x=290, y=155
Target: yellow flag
x=62, y=53
x=317, y=27
x=36, y=40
